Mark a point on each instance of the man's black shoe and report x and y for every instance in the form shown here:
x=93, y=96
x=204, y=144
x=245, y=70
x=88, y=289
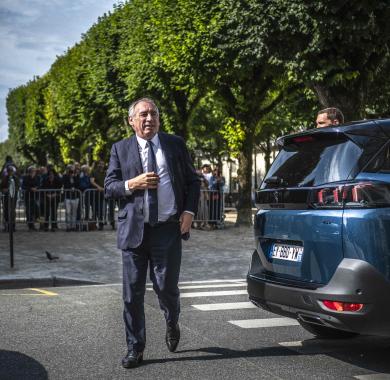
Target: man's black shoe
x=132, y=359
x=172, y=337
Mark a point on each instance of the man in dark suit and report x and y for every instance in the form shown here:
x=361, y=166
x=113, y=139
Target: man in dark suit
x=152, y=177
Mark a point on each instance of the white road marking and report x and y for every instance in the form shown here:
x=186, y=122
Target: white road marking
x=374, y=376
x=213, y=294
x=293, y=345
x=265, y=322
x=239, y=280
x=208, y=286
x=318, y=346
x=225, y=306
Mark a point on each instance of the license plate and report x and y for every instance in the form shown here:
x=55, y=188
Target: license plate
x=287, y=252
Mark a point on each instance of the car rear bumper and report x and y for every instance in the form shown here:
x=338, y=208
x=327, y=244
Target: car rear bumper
x=354, y=281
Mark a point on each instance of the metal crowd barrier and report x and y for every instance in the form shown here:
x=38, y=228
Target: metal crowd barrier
x=75, y=210
x=211, y=209
x=50, y=209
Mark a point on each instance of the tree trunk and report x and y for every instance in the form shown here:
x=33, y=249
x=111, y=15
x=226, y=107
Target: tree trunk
x=245, y=161
x=267, y=155
x=349, y=102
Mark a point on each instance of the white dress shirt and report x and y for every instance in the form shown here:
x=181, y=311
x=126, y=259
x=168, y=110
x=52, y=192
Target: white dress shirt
x=165, y=195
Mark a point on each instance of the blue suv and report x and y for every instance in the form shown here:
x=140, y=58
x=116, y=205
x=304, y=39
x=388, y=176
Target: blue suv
x=322, y=231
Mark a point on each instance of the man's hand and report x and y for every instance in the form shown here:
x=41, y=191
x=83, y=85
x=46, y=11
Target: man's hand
x=144, y=181
x=185, y=222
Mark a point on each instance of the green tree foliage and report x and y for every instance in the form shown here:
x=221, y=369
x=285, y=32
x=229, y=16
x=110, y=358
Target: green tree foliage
x=340, y=49
x=228, y=75
x=164, y=47
x=28, y=126
x=249, y=80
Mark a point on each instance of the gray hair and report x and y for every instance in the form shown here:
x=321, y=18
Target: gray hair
x=147, y=100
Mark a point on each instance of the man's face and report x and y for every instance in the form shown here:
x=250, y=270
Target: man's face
x=323, y=121
x=100, y=165
x=145, y=121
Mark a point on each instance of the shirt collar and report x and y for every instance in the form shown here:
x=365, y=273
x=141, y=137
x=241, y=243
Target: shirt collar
x=142, y=142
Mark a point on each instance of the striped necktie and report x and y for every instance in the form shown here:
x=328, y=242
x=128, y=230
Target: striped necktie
x=152, y=193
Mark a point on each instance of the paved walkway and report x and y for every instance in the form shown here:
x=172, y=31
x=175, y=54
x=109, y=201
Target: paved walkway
x=93, y=256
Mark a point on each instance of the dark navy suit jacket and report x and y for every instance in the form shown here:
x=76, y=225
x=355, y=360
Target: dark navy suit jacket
x=125, y=163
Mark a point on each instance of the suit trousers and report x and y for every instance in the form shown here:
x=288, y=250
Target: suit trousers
x=161, y=250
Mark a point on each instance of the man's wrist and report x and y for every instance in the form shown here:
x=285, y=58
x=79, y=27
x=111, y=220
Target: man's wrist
x=128, y=187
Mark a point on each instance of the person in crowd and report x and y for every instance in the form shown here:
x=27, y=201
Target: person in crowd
x=86, y=187
x=207, y=173
x=40, y=196
x=110, y=210
x=8, y=162
x=77, y=172
x=329, y=117
x=30, y=186
x=97, y=181
x=153, y=178
x=203, y=208
x=71, y=184
x=9, y=179
x=42, y=173
x=216, y=195
x=77, y=167
x=51, y=185
x=209, y=176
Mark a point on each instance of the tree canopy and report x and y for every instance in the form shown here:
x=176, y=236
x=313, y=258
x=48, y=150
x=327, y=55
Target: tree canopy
x=228, y=75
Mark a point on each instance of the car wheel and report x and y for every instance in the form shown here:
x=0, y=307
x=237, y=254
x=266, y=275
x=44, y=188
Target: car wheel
x=327, y=332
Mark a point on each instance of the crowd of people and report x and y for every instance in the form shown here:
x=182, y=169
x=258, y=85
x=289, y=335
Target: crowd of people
x=80, y=188
x=210, y=208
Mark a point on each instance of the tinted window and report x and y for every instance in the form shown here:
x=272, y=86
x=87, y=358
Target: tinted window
x=314, y=162
x=381, y=163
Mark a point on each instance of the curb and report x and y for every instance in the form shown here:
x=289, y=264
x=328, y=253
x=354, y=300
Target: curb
x=46, y=282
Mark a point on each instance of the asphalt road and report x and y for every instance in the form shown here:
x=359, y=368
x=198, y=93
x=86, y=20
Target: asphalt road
x=77, y=333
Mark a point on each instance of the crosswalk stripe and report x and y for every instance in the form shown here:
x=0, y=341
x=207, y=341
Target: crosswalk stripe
x=207, y=286
x=239, y=280
x=224, y=306
x=315, y=346
x=211, y=286
x=265, y=322
x=374, y=376
x=213, y=293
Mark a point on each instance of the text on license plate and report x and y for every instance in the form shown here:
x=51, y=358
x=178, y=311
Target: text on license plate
x=287, y=252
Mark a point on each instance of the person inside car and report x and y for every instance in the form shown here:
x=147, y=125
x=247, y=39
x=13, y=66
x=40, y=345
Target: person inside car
x=328, y=117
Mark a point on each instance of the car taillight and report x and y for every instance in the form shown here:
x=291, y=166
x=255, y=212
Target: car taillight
x=342, y=306
x=358, y=195
x=327, y=197
x=367, y=195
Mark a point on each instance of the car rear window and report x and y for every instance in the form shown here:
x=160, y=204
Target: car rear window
x=312, y=161
x=381, y=163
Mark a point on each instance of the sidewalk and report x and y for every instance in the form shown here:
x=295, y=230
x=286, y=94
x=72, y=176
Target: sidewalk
x=93, y=256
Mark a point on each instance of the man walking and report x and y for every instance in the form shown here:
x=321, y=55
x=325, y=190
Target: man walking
x=152, y=177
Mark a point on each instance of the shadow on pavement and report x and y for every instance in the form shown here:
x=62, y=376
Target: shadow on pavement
x=16, y=366
x=368, y=352
x=217, y=353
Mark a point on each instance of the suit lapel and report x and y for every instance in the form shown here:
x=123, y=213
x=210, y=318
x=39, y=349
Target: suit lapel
x=168, y=153
x=134, y=159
